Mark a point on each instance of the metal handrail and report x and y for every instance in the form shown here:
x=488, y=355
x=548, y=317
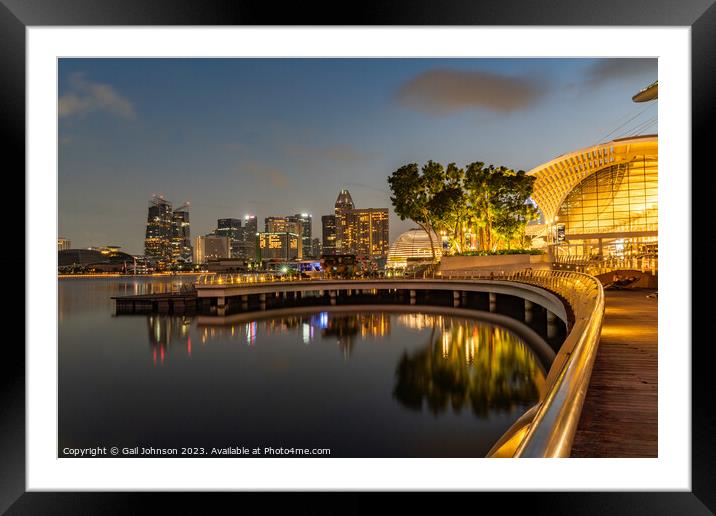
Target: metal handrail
x=551, y=432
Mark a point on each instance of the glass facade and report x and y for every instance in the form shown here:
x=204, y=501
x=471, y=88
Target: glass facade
x=617, y=205
x=618, y=199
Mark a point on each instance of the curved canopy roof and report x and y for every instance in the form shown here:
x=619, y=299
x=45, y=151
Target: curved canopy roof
x=651, y=92
x=556, y=178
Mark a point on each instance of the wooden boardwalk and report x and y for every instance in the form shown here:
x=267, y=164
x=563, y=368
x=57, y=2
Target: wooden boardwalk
x=619, y=418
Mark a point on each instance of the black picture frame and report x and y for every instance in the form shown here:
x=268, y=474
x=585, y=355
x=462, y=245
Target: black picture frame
x=700, y=15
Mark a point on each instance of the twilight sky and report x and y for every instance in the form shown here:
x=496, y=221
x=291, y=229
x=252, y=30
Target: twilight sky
x=282, y=136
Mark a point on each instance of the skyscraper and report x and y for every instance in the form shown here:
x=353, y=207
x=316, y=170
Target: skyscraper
x=231, y=228
x=368, y=232
x=167, y=239
x=181, y=236
x=344, y=205
x=280, y=246
x=328, y=223
x=316, y=248
x=358, y=231
x=305, y=223
x=158, y=236
x=249, y=238
x=281, y=224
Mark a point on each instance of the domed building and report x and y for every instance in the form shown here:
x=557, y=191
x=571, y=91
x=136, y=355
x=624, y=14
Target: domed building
x=412, y=247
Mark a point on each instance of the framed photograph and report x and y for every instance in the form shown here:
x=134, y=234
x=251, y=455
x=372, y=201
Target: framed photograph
x=303, y=253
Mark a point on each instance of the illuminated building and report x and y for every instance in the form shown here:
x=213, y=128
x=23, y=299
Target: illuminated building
x=602, y=200
x=231, y=228
x=280, y=246
x=181, y=236
x=413, y=246
x=211, y=247
x=328, y=223
x=249, y=241
x=344, y=205
x=359, y=231
x=63, y=244
x=316, y=248
x=167, y=237
x=158, y=237
x=300, y=224
x=367, y=232
x=305, y=224
x=281, y=225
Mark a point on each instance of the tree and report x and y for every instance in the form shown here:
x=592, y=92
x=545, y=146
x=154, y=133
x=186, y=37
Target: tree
x=511, y=207
x=412, y=195
x=492, y=200
x=497, y=198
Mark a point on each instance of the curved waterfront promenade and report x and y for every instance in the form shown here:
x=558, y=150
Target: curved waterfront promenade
x=546, y=430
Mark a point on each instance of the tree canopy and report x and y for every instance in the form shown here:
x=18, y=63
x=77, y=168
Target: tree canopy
x=479, y=207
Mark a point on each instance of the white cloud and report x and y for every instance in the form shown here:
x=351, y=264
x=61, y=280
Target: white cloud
x=85, y=97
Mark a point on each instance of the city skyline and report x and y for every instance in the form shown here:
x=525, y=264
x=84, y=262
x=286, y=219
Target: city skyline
x=272, y=137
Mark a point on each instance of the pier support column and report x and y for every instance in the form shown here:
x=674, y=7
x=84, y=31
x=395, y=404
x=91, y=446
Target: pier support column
x=348, y=292
x=493, y=302
x=455, y=298
x=464, y=298
x=244, y=302
x=529, y=313
x=262, y=301
x=551, y=325
x=412, y=297
x=220, y=306
x=332, y=294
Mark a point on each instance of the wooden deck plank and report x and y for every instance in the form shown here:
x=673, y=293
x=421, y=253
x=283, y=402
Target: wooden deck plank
x=619, y=417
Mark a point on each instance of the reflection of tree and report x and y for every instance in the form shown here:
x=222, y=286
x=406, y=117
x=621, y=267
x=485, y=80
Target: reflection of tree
x=346, y=326
x=471, y=365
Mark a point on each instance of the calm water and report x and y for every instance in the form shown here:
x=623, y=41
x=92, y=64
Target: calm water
x=362, y=383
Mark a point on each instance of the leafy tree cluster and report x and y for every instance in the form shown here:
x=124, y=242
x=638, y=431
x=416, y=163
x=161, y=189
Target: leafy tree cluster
x=484, y=200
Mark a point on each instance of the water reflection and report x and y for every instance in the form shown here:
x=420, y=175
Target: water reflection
x=346, y=329
x=468, y=365
x=168, y=331
x=317, y=379
x=465, y=364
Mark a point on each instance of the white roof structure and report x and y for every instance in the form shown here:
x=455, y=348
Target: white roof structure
x=557, y=178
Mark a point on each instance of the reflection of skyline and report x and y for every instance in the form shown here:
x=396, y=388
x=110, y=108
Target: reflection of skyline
x=167, y=331
x=420, y=321
x=345, y=327
x=469, y=364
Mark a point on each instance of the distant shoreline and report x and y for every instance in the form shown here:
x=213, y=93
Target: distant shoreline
x=112, y=275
